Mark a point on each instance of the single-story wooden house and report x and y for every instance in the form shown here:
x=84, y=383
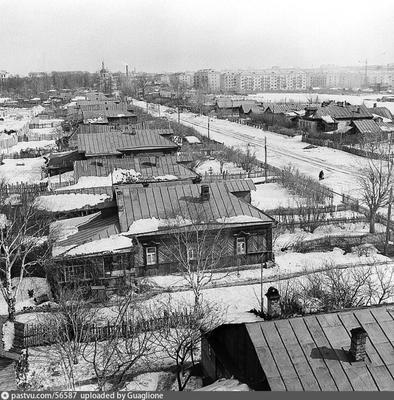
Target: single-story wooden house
x=141, y=169
x=140, y=236
x=119, y=144
x=350, y=350
x=332, y=117
x=282, y=114
x=227, y=107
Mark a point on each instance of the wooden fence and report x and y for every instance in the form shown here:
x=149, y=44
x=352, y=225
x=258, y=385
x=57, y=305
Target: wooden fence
x=46, y=334
x=24, y=188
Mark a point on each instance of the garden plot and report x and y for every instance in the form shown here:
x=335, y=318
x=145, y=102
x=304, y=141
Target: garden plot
x=22, y=170
x=287, y=238
x=215, y=167
x=269, y=196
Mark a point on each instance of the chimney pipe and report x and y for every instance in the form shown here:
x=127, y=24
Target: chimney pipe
x=358, y=344
x=273, y=309
x=205, y=193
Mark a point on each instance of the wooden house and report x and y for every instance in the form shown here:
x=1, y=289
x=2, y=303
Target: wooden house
x=141, y=233
x=349, y=350
x=282, y=114
x=332, y=117
x=146, y=169
x=119, y=144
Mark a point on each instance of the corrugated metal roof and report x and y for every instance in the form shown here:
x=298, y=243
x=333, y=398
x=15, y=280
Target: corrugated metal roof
x=382, y=111
x=367, y=126
x=282, y=108
x=311, y=353
x=148, y=167
x=342, y=112
x=99, y=228
x=169, y=201
x=96, y=144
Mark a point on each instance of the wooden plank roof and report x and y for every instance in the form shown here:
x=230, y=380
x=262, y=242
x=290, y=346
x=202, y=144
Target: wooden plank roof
x=148, y=167
x=96, y=144
x=170, y=201
x=311, y=353
x=342, y=112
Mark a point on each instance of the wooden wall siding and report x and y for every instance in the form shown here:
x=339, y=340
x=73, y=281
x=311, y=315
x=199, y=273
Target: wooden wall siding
x=311, y=353
x=7, y=374
x=148, y=167
x=98, y=144
x=168, y=201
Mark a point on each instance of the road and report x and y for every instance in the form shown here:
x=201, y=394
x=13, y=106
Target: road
x=340, y=168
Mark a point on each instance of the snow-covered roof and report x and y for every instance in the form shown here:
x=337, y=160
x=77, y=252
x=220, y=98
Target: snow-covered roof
x=158, y=206
x=70, y=201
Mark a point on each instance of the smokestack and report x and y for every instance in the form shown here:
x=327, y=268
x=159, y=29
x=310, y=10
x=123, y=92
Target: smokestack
x=127, y=71
x=273, y=309
x=205, y=193
x=358, y=344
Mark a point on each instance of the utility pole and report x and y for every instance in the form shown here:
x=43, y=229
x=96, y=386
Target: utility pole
x=265, y=158
x=208, y=128
x=179, y=116
x=386, y=243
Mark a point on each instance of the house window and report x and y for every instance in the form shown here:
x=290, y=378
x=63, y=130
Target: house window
x=241, y=245
x=191, y=253
x=151, y=255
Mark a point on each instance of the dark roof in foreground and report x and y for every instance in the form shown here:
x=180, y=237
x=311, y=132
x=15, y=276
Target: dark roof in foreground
x=168, y=202
x=345, y=111
x=311, y=353
x=96, y=144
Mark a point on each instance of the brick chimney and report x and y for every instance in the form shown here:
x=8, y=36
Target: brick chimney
x=273, y=309
x=358, y=344
x=205, y=195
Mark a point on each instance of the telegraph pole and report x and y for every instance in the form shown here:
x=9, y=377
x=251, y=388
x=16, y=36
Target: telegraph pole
x=265, y=159
x=208, y=128
x=386, y=243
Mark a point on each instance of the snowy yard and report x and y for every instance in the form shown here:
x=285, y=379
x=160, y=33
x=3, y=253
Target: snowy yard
x=32, y=145
x=269, y=196
x=22, y=170
x=212, y=166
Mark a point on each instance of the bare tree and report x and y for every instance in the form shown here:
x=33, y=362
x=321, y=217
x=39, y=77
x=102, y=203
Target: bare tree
x=126, y=345
x=180, y=337
x=69, y=326
x=24, y=242
x=375, y=180
x=197, y=246
x=141, y=83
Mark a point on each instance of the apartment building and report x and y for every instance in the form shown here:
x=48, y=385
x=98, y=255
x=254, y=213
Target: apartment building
x=207, y=80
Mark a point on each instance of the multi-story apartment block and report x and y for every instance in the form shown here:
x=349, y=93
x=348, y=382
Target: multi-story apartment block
x=207, y=80
x=228, y=81
x=186, y=79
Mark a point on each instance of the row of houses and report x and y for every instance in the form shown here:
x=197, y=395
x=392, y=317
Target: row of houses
x=133, y=196
x=341, y=121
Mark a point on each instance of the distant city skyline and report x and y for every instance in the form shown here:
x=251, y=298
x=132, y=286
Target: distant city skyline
x=174, y=35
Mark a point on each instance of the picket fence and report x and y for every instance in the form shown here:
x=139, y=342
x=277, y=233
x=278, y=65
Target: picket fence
x=46, y=334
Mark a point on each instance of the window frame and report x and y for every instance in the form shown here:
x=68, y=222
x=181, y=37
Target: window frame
x=238, y=240
x=149, y=255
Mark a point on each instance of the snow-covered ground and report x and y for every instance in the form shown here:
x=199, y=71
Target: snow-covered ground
x=212, y=166
x=39, y=286
x=22, y=170
x=269, y=196
x=39, y=144
x=340, y=168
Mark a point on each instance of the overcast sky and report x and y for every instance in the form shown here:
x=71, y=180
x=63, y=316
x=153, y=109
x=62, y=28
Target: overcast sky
x=178, y=35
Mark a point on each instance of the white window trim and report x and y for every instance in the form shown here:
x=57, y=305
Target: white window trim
x=240, y=240
x=149, y=255
x=193, y=250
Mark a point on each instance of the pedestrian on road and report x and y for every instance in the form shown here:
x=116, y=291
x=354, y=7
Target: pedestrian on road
x=321, y=175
